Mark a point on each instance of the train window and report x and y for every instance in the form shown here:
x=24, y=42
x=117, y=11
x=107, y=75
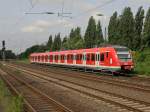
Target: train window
x=48, y=57
x=80, y=56
x=107, y=54
x=67, y=57
x=74, y=57
x=71, y=56
x=42, y=58
x=38, y=58
x=77, y=57
x=98, y=57
x=51, y=57
x=102, y=57
x=62, y=57
x=93, y=57
x=84, y=57
x=56, y=57
x=88, y=57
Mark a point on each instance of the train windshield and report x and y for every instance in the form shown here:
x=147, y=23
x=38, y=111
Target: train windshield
x=123, y=54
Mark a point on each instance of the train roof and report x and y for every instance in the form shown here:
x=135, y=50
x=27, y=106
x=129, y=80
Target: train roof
x=73, y=51
x=104, y=48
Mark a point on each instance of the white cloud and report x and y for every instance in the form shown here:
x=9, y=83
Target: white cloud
x=32, y=29
x=42, y=25
x=37, y=26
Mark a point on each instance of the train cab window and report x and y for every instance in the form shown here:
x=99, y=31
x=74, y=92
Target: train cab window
x=102, y=57
x=93, y=57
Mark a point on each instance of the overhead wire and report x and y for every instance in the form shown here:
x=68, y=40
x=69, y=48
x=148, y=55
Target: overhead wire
x=24, y=15
x=90, y=10
x=97, y=7
x=32, y=6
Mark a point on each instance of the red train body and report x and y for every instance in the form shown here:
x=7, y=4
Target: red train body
x=110, y=58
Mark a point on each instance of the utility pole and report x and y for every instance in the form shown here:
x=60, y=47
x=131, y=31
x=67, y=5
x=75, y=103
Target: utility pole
x=3, y=50
x=105, y=35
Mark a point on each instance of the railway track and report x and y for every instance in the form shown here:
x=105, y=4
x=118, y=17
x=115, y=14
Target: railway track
x=104, y=77
x=121, y=102
x=35, y=100
x=131, y=85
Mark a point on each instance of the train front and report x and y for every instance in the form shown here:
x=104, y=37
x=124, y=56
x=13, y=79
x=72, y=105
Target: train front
x=125, y=58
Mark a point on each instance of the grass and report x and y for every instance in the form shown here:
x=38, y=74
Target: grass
x=142, y=62
x=10, y=103
x=24, y=61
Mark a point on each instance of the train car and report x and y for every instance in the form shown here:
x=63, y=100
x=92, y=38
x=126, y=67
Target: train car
x=109, y=58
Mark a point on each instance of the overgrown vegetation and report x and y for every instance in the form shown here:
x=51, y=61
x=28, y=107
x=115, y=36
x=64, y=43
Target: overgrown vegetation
x=10, y=103
x=9, y=54
x=142, y=62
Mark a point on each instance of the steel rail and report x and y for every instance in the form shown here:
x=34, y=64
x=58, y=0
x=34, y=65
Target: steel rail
x=89, y=94
x=57, y=104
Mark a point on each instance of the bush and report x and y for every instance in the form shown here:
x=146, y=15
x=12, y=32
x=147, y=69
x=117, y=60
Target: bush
x=142, y=62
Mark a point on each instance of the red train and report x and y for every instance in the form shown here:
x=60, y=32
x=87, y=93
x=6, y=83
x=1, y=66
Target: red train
x=109, y=58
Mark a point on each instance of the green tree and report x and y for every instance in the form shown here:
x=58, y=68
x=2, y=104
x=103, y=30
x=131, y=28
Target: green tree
x=146, y=31
x=99, y=34
x=75, y=40
x=113, y=29
x=57, y=43
x=126, y=28
x=90, y=34
x=65, y=43
x=30, y=50
x=138, y=28
x=49, y=43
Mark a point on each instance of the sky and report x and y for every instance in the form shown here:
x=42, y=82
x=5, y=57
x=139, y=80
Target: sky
x=21, y=30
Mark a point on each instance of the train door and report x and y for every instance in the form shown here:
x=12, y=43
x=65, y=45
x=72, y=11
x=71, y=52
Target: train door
x=97, y=59
x=74, y=58
x=84, y=58
x=107, y=58
x=102, y=58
